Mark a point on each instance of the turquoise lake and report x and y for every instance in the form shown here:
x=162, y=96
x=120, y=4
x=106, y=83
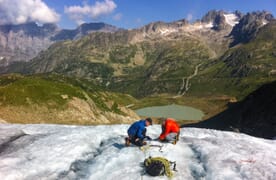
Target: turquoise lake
x=177, y=112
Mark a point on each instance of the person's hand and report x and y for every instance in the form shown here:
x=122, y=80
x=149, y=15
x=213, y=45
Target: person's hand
x=161, y=140
x=137, y=139
x=156, y=139
x=148, y=138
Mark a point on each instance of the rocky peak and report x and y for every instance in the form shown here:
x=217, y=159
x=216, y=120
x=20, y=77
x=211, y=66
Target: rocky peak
x=221, y=20
x=49, y=28
x=211, y=16
x=261, y=17
x=83, y=30
x=162, y=28
x=88, y=27
x=249, y=25
x=180, y=23
x=238, y=14
x=154, y=27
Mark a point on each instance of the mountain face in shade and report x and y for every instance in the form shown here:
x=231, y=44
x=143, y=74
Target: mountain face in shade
x=255, y=115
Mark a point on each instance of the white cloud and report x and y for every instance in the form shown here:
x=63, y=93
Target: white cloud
x=138, y=20
x=22, y=11
x=189, y=17
x=117, y=17
x=78, y=13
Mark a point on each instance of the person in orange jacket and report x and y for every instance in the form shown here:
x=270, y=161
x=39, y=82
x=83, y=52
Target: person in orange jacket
x=170, y=130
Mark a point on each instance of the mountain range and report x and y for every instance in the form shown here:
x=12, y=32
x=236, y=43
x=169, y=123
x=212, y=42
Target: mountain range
x=223, y=54
x=24, y=41
x=222, y=49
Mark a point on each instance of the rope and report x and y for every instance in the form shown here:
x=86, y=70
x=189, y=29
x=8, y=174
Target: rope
x=147, y=147
x=159, y=146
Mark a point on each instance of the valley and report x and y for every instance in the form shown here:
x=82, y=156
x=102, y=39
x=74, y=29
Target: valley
x=95, y=74
x=113, y=89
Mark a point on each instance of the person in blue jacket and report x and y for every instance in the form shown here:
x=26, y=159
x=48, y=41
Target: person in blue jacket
x=137, y=132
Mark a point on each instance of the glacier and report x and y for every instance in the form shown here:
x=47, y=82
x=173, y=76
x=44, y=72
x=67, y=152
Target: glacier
x=37, y=151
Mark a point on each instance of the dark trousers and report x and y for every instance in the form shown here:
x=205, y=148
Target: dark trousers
x=140, y=141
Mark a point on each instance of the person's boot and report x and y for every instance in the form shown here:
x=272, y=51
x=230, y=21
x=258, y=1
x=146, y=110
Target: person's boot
x=174, y=142
x=144, y=143
x=127, y=141
x=177, y=137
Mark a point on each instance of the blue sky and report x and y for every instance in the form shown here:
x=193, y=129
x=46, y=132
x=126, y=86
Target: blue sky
x=122, y=13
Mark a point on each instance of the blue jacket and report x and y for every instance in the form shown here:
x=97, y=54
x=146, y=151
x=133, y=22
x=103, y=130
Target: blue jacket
x=137, y=128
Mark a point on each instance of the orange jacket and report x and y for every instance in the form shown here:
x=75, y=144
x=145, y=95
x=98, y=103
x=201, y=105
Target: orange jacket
x=170, y=126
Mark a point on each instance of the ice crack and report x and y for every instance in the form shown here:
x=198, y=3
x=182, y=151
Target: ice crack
x=80, y=168
x=198, y=169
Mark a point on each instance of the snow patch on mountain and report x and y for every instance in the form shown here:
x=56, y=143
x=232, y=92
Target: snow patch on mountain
x=98, y=152
x=167, y=31
x=264, y=22
x=231, y=19
x=199, y=26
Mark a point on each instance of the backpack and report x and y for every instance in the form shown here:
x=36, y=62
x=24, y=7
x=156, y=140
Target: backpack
x=158, y=166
